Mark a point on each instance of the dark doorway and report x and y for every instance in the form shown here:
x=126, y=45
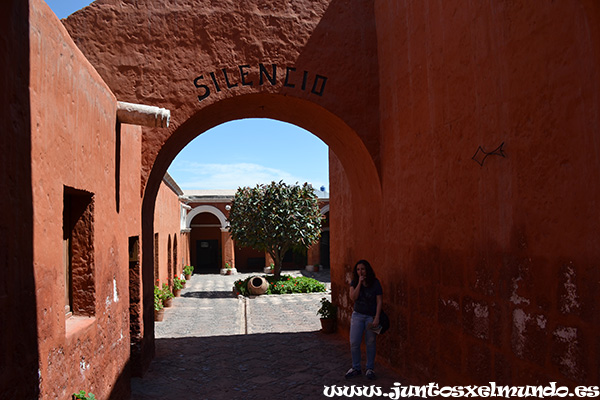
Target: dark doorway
x=207, y=256
x=135, y=301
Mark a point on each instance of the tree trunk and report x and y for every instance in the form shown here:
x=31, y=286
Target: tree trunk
x=278, y=255
x=278, y=262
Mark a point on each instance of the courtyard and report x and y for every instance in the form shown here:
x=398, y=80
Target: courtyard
x=213, y=345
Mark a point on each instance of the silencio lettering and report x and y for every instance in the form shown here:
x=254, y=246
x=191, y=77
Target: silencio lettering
x=267, y=74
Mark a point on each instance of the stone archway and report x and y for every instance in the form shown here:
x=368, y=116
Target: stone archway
x=206, y=209
x=311, y=63
x=357, y=167
x=314, y=58
x=227, y=249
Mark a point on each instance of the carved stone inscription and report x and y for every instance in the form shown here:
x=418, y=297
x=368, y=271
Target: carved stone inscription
x=246, y=75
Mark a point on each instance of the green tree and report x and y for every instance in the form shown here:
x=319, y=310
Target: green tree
x=275, y=218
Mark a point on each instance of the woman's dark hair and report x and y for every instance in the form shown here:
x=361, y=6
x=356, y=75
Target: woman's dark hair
x=370, y=278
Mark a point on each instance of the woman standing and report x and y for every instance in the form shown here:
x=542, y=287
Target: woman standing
x=367, y=294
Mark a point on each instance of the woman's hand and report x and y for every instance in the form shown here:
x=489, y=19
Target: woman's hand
x=361, y=280
x=355, y=291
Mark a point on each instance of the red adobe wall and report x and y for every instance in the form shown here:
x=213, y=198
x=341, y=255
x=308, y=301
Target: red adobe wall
x=167, y=224
x=491, y=271
x=73, y=143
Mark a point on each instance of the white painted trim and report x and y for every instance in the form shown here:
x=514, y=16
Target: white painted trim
x=206, y=209
x=325, y=209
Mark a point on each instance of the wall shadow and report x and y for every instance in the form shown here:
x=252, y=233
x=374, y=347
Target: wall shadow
x=323, y=275
x=270, y=365
x=19, y=361
x=210, y=295
x=346, y=35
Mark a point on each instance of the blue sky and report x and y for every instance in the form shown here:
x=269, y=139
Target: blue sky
x=251, y=151
x=242, y=152
x=64, y=8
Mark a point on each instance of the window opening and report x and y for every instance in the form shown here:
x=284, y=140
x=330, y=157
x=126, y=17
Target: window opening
x=78, y=252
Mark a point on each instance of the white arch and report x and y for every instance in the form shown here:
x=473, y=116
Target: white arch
x=208, y=209
x=325, y=209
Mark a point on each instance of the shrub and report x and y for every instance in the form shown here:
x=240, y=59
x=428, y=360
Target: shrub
x=284, y=285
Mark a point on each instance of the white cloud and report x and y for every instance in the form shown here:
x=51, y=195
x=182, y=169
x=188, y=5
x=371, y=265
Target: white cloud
x=199, y=176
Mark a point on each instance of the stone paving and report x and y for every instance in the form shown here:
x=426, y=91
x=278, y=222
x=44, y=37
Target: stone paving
x=212, y=345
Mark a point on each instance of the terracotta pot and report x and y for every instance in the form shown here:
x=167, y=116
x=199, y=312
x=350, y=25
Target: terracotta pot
x=328, y=325
x=187, y=277
x=158, y=315
x=257, y=285
x=177, y=292
x=168, y=302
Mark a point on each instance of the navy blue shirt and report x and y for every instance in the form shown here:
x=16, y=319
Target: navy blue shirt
x=366, y=303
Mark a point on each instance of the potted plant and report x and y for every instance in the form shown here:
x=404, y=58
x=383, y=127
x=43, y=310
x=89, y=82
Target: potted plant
x=159, y=310
x=187, y=271
x=328, y=313
x=83, y=396
x=178, y=284
x=167, y=295
x=227, y=268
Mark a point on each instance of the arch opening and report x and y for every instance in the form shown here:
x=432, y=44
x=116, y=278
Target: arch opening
x=344, y=144
x=343, y=141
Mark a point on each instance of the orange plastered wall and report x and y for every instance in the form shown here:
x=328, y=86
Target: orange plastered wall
x=490, y=267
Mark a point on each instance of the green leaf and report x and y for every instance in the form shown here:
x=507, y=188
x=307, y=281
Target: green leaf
x=277, y=216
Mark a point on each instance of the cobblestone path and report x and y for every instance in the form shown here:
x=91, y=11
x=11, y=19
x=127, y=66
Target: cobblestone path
x=212, y=345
